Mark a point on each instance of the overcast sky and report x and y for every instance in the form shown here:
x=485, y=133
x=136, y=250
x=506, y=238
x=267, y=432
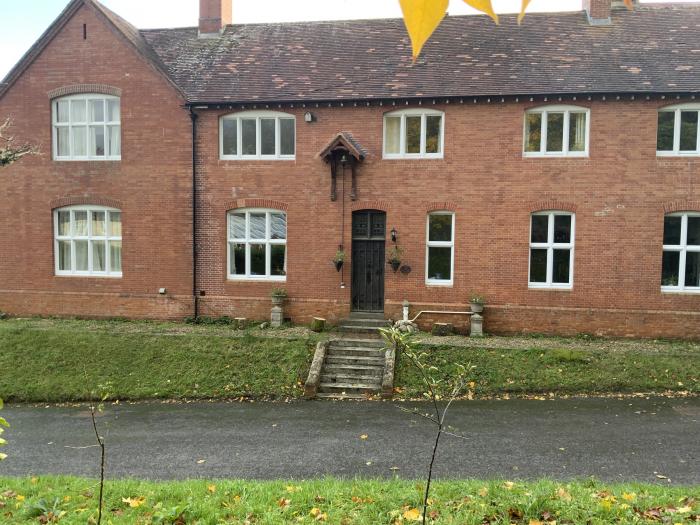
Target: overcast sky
x=23, y=22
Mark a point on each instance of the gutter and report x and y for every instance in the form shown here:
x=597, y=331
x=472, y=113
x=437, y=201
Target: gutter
x=195, y=297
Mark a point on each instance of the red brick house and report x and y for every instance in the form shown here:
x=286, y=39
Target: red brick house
x=553, y=167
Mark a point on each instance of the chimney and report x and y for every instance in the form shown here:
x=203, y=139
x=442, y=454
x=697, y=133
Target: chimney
x=214, y=15
x=598, y=12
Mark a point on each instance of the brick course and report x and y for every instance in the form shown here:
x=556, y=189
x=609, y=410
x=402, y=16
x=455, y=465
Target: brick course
x=619, y=194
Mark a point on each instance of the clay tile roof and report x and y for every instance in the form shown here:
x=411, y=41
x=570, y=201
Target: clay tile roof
x=344, y=140
x=650, y=50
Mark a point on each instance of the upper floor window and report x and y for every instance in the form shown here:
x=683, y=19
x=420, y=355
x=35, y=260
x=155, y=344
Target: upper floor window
x=440, y=248
x=680, y=268
x=257, y=245
x=678, y=131
x=552, y=249
x=266, y=135
x=414, y=133
x=88, y=241
x=561, y=131
x=86, y=127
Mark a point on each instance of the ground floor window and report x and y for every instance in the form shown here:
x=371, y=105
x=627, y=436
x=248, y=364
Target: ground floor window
x=552, y=250
x=440, y=248
x=680, y=268
x=88, y=241
x=257, y=244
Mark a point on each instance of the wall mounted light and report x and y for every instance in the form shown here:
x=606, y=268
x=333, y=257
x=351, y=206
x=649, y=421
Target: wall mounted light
x=162, y=291
x=394, y=235
x=309, y=117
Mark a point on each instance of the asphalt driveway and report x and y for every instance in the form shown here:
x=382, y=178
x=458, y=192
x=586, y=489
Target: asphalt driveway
x=611, y=439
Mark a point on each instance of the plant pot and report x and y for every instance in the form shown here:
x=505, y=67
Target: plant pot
x=395, y=265
x=338, y=265
x=477, y=308
x=277, y=300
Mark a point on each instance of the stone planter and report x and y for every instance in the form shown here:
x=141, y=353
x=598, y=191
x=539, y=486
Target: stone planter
x=477, y=308
x=277, y=300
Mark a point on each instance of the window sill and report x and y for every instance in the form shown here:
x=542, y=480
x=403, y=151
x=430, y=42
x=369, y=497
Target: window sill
x=255, y=158
x=412, y=157
x=667, y=154
x=555, y=155
x=440, y=284
x=675, y=291
x=232, y=279
x=550, y=288
x=90, y=275
x=95, y=159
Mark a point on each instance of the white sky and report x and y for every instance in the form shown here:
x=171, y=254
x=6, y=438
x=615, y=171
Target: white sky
x=22, y=22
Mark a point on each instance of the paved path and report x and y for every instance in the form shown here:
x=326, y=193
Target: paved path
x=609, y=439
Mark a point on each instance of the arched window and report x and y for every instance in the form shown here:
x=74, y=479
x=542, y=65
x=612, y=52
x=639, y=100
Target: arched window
x=440, y=241
x=678, y=132
x=86, y=127
x=88, y=241
x=257, y=244
x=680, y=269
x=262, y=135
x=414, y=134
x=552, y=249
x=558, y=131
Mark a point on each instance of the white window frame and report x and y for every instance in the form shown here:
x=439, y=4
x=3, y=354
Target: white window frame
x=683, y=249
x=257, y=116
x=90, y=238
x=87, y=125
x=677, y=110
x=567, y=110
x=550, y=246
x=423, y=113
x=267, y=241
x=439, y=244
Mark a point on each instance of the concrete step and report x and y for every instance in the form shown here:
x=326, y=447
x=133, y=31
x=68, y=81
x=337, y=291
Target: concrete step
x=367, y=315
x=348, y=388
x=367, y=370
x=340, y=397
x=351, y=377
x=360, y=330
x=355, y=351
x=363, y=343
x=354, y=360
x=355, y=321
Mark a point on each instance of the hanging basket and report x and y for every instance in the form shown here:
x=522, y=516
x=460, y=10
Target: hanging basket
x=338, y=265
x=395, y=265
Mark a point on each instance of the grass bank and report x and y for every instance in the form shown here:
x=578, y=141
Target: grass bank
x=56, y=361
x=48, y=360
x=25, y=501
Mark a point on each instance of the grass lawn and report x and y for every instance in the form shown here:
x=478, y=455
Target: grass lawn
x=25, y=501
x=55, y=361
x=48, y=360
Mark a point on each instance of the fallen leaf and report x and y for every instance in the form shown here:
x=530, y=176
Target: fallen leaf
x=211, y=488
x=134, y=502
x=412, y=515
x=364, y=436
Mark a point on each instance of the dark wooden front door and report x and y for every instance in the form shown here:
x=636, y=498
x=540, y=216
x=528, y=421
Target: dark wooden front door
x=368, y=243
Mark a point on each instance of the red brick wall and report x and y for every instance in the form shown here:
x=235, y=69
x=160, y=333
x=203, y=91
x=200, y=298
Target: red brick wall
x=620, y=195
x=151, y=184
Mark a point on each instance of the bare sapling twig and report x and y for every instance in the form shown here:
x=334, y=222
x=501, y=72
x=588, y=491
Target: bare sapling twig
x=9, y=151
x=404, y=346
x=96, y=408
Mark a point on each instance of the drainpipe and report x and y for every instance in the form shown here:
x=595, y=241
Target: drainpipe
x=195, y=297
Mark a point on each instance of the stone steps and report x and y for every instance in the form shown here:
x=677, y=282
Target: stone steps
x=355, y=351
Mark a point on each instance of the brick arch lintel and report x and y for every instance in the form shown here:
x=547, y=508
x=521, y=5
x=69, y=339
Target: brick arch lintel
x=682, y=205
x=370, y=205
x=551, y=204
x=85, y=200
x=257, y=203
x=77, y=89
x=440, y=206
